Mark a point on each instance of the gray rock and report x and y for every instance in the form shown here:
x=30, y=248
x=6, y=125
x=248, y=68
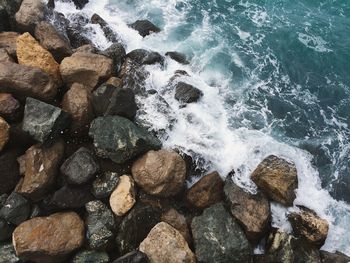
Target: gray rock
x=145, y=57
x=16, y=209
x=218, y=238
x=119, y=139
x=8, y=254
x=117, y=53
x=103, y=186
x=89, y=256
x=9, y=170
x=187, y=93
x=43, y=121
x=71, y=197
x=30, y=14
x=178, y=57
x=3, y=198
x=133, y=257
x=6, y=230
x=145, y=27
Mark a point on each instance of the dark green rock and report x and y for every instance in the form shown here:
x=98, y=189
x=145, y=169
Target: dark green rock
x=133, y=257
x=103, y=186
x=88, y=256
x=8, y=254
x=16, y=209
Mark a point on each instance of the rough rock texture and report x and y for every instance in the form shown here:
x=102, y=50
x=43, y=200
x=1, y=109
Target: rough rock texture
x=16, y=209
x=9, y=107
x=26, y=81
x=206, y=192
x=8, y=41
x=9, y=170
x=119, y=139
x=123, y=197
x=90, y=256
x=177, y=221
x=178, y=57
x=4, y=133
x=40, y=169
x=71, y=197
x=218, y=238
x=164, y=244
x=86, y=68
x=308, y=225
x=277, y=178
x=133, y=257
x=117, y=53
x=31, y=53
x=145, y=27
x=187, y=93
x=336, y=257
x=160, y=173
x=104, y=185
x=49, y=239
x=251, y=211
x=30, y=14
x=5, y=56
x=8, y=254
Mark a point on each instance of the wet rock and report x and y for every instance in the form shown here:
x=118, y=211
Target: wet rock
x=71, y=197
x=178, y=57
x=6, y=230
x=43, y=121
x=40, y=170
x=280, y=248
x=278, y=178
x=30, y=14
x=252, y=211
x=218, y=238
x=8, y=254
x=111, y=100
x=135, y=226
x=5, y=56
x=145, y=57
x=103, y=186
x=304, y=253
x=336, y=257
x=187, y=93
x=177, y=221
x=308, y=225
x=53, y=41
x=100, y=225
x=117, y=53
x=9, y=107
x=16, y=209
x=123, y=197
x=119, y=139
x=90, y=256
x=8, y=41
x=133, y=257
x=49, y=239
x=165, y=244
x=145, y=27
x=75, y=33
x=25, y=81
x=80, y=3
x=80, y=167
x=206, y=192
x=9, y=171
x=107, y=30
x=4, y=133
x=134, y=76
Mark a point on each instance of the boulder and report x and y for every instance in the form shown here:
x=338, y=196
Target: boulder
x=123, y=197
x=6, y=230
x=104, y=185
x=16, y=209
x=31, y=53
x=111, y=100
x=4, y=133
x=178, y=57
x=40, y=170
x=309, y=226
x=145, y=27
x=336, y=257
x=69, y=197
x=107, y=30
x=252, y=211
x=49, y=239
x=218, y=237
x=117, y=53
x=86, y=68
x=5, y=56
x=145, y=57
x=43, y=121
x=133, y=257
x=186, y=93
x=9, y=171
x=206, y=192
x=160, y=173
x=25, y=81
x=278, y=178
x=119, y=139
x=8, y=41
x=9, y=107
x=80, y=167
x=30, y=14
x=164, y=244
x=177, y=221
x=90, y=256
x=8, y=254
x=53, y=41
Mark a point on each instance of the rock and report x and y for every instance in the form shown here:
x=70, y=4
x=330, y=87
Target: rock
x=25, y=81
x=135, y=226
x=4, y=20
x=90, y=256
x=71, y=197
x=252, y=211
x=206, y=192
x=177, y=221
x=103, y=186
x=133, y=257
x=165, y=244
x=41, y=164
x=9, y=171
x=304, y=253
x=30, y=14
x=100, y=225
x=16, y=209
x=53, y=41
x=336, y=257
x=75, y=35
x=31, y=53
x=160, y=173
x=9, y=107
x=111, y=100
x=5, y=56
x=8, y=41
x=119, y=139
x=123, y=197
x=80, y=167
x=145, y=57
x=116, y=82
x=86, y=68
x=4, y=133
x=186, y=93
x=43, y=121
x=218, y=238
x=117, y=53
x=3, y=198
x=278, y=178
x=49, y=239
x=178, y=57
x=80, y=3
x=308, y=225
x=108, y=32
x=145, y=27
x=8, y=254
x=6, y=230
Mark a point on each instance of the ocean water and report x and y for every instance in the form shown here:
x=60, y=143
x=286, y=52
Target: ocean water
x=276, y=80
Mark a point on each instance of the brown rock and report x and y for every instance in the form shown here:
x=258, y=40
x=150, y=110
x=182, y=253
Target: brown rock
x=77, y=102
x=4, y=133
x=30, y=14
x=49, y=239
x=278, y=178
x=206, y=192
x=30, y=53
x=177, y=221
x=4, y=56
x=123, y=197
x=40, y=169
x=116, y=82
x=164, y=244
x=8, y=41
x=9, y=107
x=251, y=210
x=160, y=173
x=308, y=225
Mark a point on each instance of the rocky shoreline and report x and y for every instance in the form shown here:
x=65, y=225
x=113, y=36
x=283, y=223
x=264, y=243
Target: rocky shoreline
x=82, y=181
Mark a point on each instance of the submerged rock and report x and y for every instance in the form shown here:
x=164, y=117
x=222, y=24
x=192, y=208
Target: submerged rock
x=90, y=256
x=9, y=170
x=9, y=107
x=187, y=93
x=104, y=185
x=178, y=57
x=30, y=14
x=123, y=197
x=16, y=209
x=145, y=27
